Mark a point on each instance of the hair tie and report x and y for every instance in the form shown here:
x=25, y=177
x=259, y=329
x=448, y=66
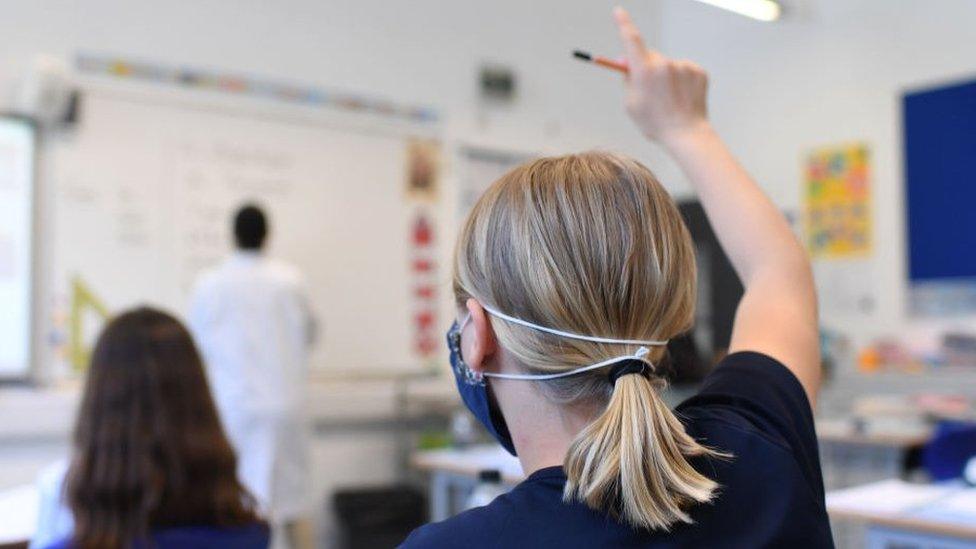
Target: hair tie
x=632, y=366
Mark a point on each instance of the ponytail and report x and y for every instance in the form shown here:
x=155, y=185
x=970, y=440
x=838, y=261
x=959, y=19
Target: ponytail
x=632, y=461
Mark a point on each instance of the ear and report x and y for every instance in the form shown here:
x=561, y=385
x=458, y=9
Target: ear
x=480, y=345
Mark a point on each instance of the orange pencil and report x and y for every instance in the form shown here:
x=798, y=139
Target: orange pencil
x=602, y=61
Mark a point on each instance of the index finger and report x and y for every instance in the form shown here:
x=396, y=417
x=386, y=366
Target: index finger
x=630, y=35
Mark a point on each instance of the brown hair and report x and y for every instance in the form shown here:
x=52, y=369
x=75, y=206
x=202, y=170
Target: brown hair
x=149, y=450
x=592, y=244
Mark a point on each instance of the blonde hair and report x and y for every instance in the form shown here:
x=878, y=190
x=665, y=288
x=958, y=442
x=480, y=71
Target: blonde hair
x=591, y=243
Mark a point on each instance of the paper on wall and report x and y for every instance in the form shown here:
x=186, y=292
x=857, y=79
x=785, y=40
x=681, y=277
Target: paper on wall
x=837, y=202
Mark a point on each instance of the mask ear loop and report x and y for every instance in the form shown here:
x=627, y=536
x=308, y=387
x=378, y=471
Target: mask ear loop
x=639, y=355
x=570, y=335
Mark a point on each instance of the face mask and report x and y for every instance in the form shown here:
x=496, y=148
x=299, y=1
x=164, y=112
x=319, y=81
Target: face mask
x=474, y=392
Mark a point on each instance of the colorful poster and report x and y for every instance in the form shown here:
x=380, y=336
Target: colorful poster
x=422, y=175
x=837, y=202
x=423, y=169
x=423, y=272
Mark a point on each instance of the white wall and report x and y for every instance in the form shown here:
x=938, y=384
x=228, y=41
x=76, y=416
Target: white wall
x=421, y=52
x=832, y=71
x=425, y=51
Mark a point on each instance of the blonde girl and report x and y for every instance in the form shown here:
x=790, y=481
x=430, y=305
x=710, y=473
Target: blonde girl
x=571, y=274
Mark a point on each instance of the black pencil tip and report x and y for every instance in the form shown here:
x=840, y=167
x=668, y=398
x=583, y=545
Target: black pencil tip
x=580, y=54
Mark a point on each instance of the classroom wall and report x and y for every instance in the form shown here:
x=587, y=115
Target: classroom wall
x=426, y=52
x=832, y=71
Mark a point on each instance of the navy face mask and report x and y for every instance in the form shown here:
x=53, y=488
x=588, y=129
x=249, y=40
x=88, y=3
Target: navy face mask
x=474, y=391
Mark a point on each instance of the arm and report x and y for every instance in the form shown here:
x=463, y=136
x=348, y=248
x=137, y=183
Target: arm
x=778, y=312
x=310, y=322
x=312, y=327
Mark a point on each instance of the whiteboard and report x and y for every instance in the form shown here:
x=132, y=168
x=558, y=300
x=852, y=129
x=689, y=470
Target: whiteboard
x=145, y=191
x=480, y=167
x=17, y=150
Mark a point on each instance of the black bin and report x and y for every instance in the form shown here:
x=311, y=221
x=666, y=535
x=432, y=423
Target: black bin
x=378, y=517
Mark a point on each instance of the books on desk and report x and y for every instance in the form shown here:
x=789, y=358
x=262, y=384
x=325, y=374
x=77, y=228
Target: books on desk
x=948, y=508
x=470, y=461
x=955, y=507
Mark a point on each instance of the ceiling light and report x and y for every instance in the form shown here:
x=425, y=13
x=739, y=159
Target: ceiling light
x=763, y=10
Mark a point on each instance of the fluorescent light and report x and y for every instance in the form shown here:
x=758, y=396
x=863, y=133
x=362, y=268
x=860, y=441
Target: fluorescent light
x=763, y=10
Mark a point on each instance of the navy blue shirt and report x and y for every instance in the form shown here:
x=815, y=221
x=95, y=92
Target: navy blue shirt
x=771, y=492
x=254, y=536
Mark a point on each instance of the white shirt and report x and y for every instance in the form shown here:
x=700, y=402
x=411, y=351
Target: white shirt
x=251, y=319
x=252, y=322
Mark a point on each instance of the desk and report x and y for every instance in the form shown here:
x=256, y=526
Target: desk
x=899, y=514
x=454, y=473
x=18, y=509
x=850, y=458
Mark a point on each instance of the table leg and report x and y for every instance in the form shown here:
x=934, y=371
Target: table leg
x=440, y=496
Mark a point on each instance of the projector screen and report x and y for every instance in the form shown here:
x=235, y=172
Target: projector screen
x=17, y=144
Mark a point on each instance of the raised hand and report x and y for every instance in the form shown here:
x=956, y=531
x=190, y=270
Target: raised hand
x=665, y=97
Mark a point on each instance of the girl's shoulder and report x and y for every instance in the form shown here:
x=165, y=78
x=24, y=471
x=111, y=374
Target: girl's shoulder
x=250, y=536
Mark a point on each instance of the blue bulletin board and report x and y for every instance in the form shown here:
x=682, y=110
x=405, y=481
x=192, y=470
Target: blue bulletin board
x=940, y=176
x=940, y=197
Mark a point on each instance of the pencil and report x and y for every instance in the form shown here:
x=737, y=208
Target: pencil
x=600, y=60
